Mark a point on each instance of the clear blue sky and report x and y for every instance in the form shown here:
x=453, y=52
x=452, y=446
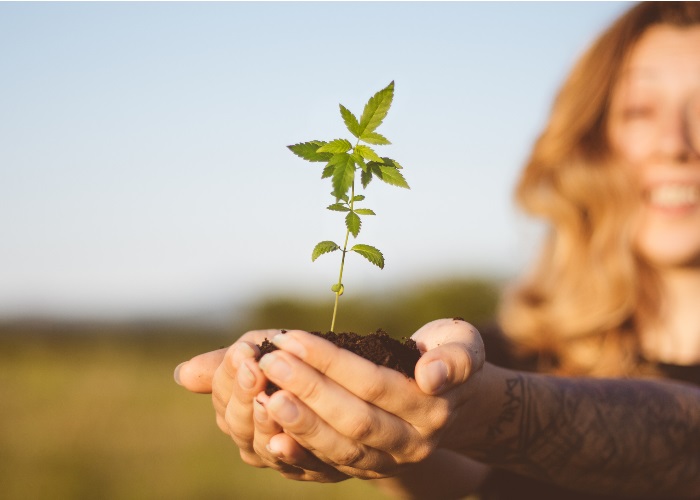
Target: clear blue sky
x=143, y=167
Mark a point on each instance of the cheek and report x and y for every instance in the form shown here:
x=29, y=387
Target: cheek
x=632, y=147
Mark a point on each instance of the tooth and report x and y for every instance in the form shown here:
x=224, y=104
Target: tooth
x=674, y=195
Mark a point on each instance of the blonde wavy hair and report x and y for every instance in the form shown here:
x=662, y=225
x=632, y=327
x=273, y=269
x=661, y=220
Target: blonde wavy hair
x=578, y=307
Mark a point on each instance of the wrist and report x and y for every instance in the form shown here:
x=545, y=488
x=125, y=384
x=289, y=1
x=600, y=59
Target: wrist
x=486, y=414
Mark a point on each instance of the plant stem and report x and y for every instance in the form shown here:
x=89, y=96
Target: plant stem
x=342, y=262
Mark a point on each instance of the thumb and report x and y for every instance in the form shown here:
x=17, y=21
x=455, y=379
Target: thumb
x=196, y=374
x=453, y=351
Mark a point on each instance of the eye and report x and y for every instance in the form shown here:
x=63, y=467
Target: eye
x=632, y=113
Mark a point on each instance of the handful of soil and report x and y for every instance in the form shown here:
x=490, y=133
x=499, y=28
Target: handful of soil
x=377, y=347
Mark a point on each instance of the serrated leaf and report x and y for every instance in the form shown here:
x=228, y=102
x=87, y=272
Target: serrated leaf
x=328, y=171
x=392, y=176
x=391, y=163
x=376, y=109
x=370, y=253
x=338, y=207
x=366, y=178
x=309, y=151
x=358, y=197
x=368, y=153
x=373, y=166
x=350, y=121
x=343, y=175
x=359, y=160
x=323, y=247
x=335, y=146
x=353, y=223
x=374, y=138
x=364, y=211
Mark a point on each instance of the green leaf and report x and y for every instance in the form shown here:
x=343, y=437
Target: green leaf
x=335, y=146
x=338, y=207
x=343, y=175
x=350, y=121
x=358, y=197
x=370, y=253
x=373, y=166
x=392, y=176
x=353, y=223
x=376, y=109
x=391, y=163
x=328, y=171
x=374, y=138
x=323, y=247
x=368, y=153
x=366, y=177
x=309, y=151
x=364, y=211
x=359, y=160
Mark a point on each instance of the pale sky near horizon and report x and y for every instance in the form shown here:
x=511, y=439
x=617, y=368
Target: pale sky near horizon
x=143, y=167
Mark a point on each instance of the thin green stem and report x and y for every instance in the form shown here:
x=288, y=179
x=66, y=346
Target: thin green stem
x=342, y=260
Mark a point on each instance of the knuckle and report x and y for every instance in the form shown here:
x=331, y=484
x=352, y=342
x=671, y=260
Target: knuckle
x=414, y=452
x=349, y=456
x=252, y=459
x=310, y=391
x=219, y=401
x=375, y=389
x=360, y=427
x=222, y=425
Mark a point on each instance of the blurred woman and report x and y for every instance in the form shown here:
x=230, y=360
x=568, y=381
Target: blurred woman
x=588, y=400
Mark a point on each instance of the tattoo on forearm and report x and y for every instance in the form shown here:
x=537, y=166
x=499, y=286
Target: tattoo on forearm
x=619, y=436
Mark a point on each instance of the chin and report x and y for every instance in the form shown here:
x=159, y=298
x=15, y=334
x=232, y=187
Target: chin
x=668, y=259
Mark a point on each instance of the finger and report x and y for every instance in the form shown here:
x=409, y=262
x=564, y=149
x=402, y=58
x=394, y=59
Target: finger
x=196, y=374
x=226, y=376
x=453, y=351
x=314, y=434
x=279, y=451
x=374, y=384
x=344, y=412
x=238, y=410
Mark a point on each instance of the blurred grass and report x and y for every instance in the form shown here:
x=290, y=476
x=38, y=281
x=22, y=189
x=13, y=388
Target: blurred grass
x=91, y=411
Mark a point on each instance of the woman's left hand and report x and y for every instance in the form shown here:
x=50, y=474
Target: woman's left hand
x=366, y=420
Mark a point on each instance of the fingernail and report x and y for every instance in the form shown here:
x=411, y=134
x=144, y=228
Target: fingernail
x=270, y=447
x=242, y=351
x=436, y=375
x=176, y=375
x=259, y=413
x=275, y=367
x=287, y=343
x=284, y=409
x=246, y=379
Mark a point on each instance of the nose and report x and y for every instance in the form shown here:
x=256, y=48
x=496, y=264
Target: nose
x=680, y=135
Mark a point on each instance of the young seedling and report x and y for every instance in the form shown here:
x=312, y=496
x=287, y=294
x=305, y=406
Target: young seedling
x=342, y=161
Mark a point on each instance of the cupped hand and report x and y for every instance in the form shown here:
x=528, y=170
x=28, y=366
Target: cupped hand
x=236, y=383
x=365, y=420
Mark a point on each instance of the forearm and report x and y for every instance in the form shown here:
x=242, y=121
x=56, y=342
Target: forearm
x=444, y=475
x=627, y=437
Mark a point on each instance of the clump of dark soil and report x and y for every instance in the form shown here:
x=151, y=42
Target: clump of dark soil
x=377, y=347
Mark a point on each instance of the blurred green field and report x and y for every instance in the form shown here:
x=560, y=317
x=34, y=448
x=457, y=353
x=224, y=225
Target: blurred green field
x=91, y=411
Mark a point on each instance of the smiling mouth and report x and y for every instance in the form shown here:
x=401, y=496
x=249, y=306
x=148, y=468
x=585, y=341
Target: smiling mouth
x=674, y=195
